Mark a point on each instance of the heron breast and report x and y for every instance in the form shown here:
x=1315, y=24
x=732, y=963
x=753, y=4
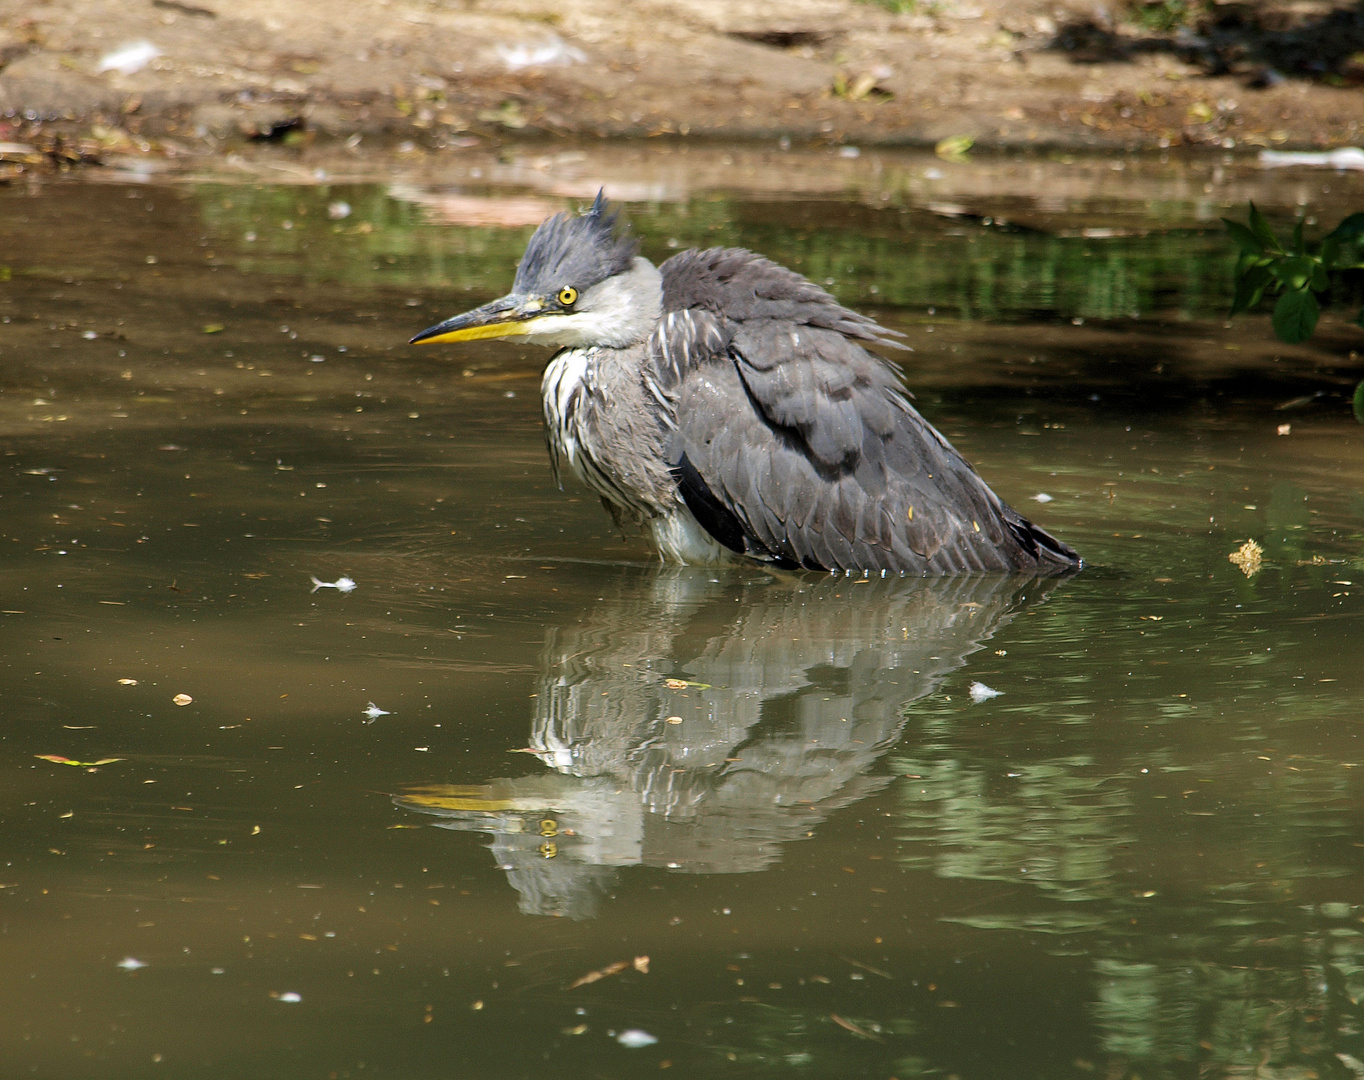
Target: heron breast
x=564, y=383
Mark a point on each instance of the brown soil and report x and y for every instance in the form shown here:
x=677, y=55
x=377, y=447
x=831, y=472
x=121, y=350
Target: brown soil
x=449, y=72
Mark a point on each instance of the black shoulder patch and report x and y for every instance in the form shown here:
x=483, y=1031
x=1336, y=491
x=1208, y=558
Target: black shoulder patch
x=712, y=514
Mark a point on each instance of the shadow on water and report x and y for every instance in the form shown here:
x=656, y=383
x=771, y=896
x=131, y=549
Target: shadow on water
x=701, y=725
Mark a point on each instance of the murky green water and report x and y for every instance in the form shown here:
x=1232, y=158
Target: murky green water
x=1142, y=859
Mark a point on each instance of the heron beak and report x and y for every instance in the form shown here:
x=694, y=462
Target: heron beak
x=507, y=317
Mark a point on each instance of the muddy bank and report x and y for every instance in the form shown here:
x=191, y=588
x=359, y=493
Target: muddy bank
x=84, y=78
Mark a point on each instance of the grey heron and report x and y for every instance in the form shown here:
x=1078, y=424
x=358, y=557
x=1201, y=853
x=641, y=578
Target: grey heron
x=730, y=407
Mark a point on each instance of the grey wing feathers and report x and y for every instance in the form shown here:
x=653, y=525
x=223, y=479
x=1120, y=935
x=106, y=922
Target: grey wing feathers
x=790, y=434
x=739, y=286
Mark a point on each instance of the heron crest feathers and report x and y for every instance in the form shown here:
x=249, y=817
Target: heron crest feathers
x=574, y=251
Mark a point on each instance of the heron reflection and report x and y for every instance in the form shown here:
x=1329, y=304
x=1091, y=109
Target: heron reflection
x=700, y=724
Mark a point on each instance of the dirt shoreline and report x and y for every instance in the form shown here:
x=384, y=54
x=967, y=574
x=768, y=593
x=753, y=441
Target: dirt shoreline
x=437, y=73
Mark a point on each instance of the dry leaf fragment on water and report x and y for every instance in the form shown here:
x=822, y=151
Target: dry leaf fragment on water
x=601, y=973
x=182, y=699
x=1247, y=558
x=682, y=684
x=127, y=682
x=639, y=963
x=78, y=764
x=866, y=967
x=848, y=1025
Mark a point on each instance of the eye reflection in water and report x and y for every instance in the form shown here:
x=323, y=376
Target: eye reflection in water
x=699, y=724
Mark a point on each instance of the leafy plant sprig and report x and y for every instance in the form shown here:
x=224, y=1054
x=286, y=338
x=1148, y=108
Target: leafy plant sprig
x=1294, y=271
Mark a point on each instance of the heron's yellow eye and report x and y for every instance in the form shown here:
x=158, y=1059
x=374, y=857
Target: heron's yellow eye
x=568, y=296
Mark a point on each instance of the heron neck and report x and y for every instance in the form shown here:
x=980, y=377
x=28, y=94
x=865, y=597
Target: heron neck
x=623, y=309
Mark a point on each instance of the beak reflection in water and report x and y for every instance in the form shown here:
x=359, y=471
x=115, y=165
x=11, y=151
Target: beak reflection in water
x=655, y=720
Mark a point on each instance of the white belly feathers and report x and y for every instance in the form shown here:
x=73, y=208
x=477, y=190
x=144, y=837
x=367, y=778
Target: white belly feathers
x=680, y=538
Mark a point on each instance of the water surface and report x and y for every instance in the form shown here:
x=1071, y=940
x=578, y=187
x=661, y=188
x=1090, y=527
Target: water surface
x=1142, y=858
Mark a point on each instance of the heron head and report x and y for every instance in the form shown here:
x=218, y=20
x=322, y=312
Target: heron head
x=580, y=282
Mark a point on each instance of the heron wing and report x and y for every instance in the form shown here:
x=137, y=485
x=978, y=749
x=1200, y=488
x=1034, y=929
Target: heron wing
x=796, y=445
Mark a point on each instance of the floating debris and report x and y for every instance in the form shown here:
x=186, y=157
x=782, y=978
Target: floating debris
x=1042, y=497
x=635, y=1039
x=1248, y=557
x=848, y=1025
x=59, y=760
x=341, y=584
x=289, y=997
x=373, y=712
x=980, y=692
x=866, y=967
x=639, y=963
x=182, y=699
x=130, y=963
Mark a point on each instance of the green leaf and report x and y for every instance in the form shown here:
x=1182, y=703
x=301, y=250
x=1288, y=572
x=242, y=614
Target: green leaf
x=1330, y=252
x=1247, y=259
x=1250, y=286
x=1295, y=315
x=1246, y=240
x=1359, y=396
x=1295, y=271
x=1352, y=228
x=1321, y=281
x=1259, y=225
x=1299, y=247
